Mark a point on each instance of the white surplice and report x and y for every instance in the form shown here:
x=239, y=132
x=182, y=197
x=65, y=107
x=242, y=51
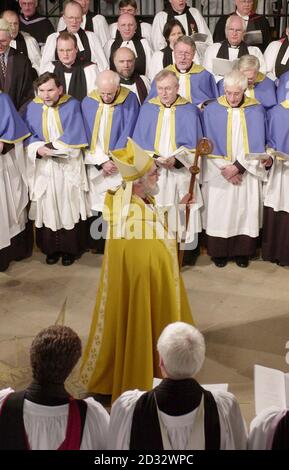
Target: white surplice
x=179, y=428
x=174, y=183
x=160, y=20
x=262, y=428
x=146, y=47
x=13, y=194
x=212, y=51
x=98, y=183
x=58, y=187
x=45, y=426
x=276, y=189
x=97, y=54
x=133, y=87
x=230, y=210
x=33, y=50
x=90, y=71
x=270, y=56
x=146, y=29
x=100, y=27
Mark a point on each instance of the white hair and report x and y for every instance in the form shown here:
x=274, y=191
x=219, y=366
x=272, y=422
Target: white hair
x=235, y=79
x=182, y=349
x=234, y=17
x=5, y=26
x=108, y=76
x=249, y=62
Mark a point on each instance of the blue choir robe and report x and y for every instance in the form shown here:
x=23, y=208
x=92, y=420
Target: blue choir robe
x=107, y=126
x=232, y=210
x=13, y=187
x=263, y=91
x=161, y=131
x=276, y=191
x=196, y=85
x=283, y=87
x=58, y=186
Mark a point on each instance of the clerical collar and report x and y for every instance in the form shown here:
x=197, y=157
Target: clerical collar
x=128, y=80
x=244, y=17
x=172, y=104
x=185, y=70
x=234, y=47
x=240, y=104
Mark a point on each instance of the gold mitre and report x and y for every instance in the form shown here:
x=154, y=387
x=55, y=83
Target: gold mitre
x=132, y=162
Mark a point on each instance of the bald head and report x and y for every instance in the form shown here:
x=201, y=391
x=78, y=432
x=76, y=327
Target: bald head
x=126, y=24
x=108, y=85
x=72, y=16
x=124, y=61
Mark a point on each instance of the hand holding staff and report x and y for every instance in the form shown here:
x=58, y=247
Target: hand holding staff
x=204, y=147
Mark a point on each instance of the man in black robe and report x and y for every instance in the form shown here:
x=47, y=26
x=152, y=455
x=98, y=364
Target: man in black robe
x=253, y=22
x=33, y=23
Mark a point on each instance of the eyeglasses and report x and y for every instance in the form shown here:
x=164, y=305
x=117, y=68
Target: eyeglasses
x=183, y=54
x=71, y=18
x=232, y=30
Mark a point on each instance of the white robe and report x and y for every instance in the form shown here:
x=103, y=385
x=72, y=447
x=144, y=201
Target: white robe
x=33, y=50
x=174, y=185
x=98, y=183
x=230, y=210
x=146, y=30
x=90, y=71
x=130, y=45
x=13, y=194
x=160, y=20
x=45, y=426
x=262, y=428
x=179, y=428
x=276, y=189
x=212, y=51
x=97, y=54
x=58, y=187
x=270, y=56
x=133, y=87
x=100, y=27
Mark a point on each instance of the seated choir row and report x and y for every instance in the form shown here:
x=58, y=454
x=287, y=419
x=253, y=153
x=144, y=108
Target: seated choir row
x=178, y=414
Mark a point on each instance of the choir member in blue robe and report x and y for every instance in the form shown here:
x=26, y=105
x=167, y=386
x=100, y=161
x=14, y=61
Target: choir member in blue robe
x=110, y=113
x=56, y=173
x=195, y=83
x=166, y=123
x=15, y=234
x=260, y=87
x=283, y=87
x=232, y=176
x=275, y=240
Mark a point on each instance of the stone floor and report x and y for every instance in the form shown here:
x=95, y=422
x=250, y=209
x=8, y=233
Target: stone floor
x=244, y=314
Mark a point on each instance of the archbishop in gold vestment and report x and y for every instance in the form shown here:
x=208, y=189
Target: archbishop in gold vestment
x=140, y=292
